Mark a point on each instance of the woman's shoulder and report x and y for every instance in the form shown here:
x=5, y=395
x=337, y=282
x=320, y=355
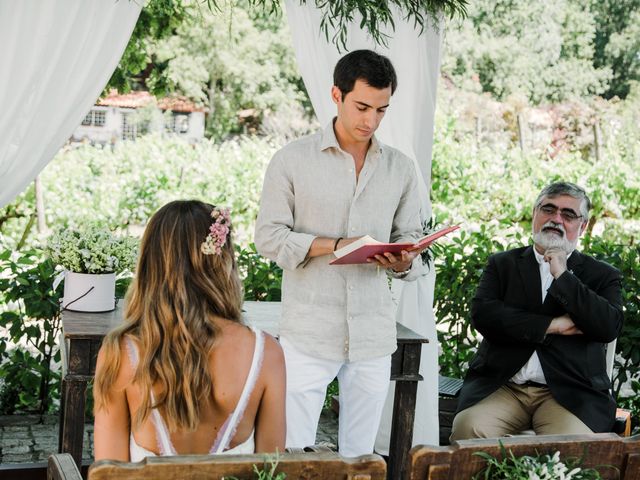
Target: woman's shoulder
x=121, y=352
x=273, y=355
x=240, y=338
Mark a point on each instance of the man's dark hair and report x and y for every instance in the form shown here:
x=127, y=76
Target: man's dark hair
x=375, y=69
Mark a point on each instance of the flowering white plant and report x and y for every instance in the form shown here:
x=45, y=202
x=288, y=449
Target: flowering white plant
x=92, y=249
x=539, y=467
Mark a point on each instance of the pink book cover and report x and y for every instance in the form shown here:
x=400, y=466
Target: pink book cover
x=354, y=254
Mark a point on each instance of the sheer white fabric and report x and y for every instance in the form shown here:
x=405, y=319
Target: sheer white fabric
x=408, y=126
x=56, y=58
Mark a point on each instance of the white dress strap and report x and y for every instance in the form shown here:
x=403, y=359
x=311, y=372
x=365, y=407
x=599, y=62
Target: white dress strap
x=236, y=416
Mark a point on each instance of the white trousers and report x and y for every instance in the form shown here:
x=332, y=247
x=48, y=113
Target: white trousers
x=363, y=389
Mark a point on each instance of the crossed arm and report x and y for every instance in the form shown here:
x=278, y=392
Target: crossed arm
x=596, y=314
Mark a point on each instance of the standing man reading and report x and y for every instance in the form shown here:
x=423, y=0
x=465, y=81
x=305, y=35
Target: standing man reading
x=546, y=313
x=321, y=193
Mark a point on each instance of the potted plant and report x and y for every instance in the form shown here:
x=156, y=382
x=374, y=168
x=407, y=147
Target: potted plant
x=91, y=256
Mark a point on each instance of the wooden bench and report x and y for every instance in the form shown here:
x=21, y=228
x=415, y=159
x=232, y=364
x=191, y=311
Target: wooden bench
x=314, y=463
x=615, y=457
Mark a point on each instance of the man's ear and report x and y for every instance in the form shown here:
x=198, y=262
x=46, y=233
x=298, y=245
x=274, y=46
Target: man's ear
x=336, y=95
x=583, y=227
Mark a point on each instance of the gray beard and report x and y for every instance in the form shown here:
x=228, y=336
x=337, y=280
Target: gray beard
x=551, y=240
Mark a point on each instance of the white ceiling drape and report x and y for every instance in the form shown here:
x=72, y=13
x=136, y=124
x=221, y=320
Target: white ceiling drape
x=56, y=56
x=407, y=126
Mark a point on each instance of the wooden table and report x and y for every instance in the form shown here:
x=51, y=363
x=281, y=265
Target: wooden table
x=83, y=334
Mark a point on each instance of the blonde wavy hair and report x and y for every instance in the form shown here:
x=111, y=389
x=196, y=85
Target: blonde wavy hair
x=170, y=311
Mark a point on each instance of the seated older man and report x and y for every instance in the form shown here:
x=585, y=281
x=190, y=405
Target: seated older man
x=545, y=313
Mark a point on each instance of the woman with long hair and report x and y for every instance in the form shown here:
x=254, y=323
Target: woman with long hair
x=183, y=375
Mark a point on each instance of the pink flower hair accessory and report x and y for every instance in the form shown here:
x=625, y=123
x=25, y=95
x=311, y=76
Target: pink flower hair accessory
x=218, y=232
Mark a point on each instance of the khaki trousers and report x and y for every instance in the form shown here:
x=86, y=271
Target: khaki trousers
x=512, y=409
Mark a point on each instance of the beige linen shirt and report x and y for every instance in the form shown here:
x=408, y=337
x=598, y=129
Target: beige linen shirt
x=336, y=312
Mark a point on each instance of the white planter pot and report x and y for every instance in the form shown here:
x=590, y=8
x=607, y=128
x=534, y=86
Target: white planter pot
x=88, y=292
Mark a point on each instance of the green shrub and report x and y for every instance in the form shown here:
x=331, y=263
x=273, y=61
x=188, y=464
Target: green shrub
x=626, y=258
x=459, y=265
x=123, y=186
x=262, y=278
x=31, y=316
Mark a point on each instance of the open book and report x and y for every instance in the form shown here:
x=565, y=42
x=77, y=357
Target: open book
x=367, y=247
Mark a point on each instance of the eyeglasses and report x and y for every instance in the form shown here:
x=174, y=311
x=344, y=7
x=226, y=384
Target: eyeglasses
x=567, y=214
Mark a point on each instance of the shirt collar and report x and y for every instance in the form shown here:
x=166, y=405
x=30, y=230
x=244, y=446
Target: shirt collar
x=329, y=140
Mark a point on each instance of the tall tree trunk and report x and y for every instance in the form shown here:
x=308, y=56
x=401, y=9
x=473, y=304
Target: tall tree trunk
x=521, y=132
x=597, y=140
x=212, y=104
x=42, y=224
x=478, y=133
x=44, y=382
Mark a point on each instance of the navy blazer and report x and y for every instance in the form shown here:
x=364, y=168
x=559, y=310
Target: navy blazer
x=509, y=313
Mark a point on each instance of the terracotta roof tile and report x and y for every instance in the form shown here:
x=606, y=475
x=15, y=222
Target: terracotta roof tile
x=141, y=98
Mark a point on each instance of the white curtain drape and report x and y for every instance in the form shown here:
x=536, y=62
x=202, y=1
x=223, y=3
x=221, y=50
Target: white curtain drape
x=407, y=126
x=56, y=56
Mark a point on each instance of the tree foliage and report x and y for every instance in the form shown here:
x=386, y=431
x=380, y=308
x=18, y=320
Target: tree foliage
x=375, y=17
x=233, y=60
x=160, y=19
x=617, y=42
x=544, y=50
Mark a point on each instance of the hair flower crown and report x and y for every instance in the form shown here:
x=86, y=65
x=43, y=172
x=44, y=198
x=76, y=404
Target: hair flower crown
x=218, y=232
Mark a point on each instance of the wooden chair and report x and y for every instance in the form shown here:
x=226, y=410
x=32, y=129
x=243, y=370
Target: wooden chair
x=315, y=463
x=615, y=457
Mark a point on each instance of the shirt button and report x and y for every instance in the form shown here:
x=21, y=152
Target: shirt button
x=350, y=287
x=350, y=317
x=353, y=229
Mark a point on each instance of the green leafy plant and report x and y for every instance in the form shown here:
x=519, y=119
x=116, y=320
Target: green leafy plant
x=268, y=472
x=533, y=467
x=375, y=17
x=333, y=390
x=262, y=278
x=161, y=18
x=459, y=264
x=626, y=377
x=92, y=248
x=31, y=317
x=428, y=227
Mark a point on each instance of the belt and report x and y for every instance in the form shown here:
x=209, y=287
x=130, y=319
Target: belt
x=530, y=383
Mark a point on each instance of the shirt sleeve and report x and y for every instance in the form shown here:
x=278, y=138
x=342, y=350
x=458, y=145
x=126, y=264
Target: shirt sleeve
x=274, y=235
x=407, y=226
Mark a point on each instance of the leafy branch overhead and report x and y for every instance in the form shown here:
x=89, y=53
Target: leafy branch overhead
x=375, y=16
x=160, y=19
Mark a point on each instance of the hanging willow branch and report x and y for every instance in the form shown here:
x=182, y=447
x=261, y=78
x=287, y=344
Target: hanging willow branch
x=161, y=18
x=376, y=15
